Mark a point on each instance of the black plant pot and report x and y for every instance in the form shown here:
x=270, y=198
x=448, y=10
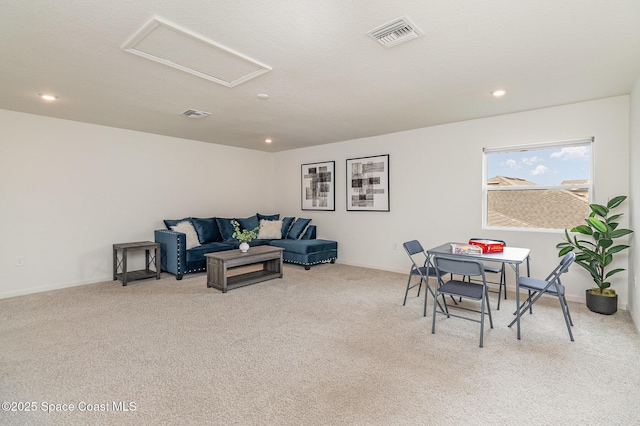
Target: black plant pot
x=602, y=304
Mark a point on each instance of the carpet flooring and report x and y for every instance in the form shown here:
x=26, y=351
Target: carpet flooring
x=329, y=346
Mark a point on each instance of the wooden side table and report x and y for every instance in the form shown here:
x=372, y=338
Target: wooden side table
x=126, y=276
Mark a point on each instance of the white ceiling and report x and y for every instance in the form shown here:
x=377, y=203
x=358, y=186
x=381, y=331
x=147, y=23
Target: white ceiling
x=329, y=81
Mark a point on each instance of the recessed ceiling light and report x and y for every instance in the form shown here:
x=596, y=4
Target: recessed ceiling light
x=268, y=140
x=48, y=97
x=498, y=93
x=263, y=96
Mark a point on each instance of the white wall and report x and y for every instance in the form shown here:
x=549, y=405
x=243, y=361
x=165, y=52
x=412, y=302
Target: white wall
x=70, y=190
x=634, y=158
x=436, y=177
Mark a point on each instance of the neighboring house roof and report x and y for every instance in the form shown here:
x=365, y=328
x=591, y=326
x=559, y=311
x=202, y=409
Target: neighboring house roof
x=537, y=208
x=508, y=181
x=583, y=193
x=495, y=218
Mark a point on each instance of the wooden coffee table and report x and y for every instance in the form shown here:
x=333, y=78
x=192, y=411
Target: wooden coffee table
x=219, y=263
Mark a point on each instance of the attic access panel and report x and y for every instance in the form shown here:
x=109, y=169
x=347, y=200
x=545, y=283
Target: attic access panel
x=176, y=47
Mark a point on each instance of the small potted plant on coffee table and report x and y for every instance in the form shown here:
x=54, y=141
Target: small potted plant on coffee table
x=244, y=235
x=595, y=253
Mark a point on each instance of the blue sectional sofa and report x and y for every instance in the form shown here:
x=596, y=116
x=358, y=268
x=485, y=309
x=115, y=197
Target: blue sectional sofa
x=185, y=242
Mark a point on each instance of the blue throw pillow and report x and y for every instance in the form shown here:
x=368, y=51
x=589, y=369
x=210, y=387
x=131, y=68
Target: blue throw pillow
x=297, y=228
x=171, y=222
x=249, y=223
x=286, y=224
x=310, y=233
x=207, y=230
x=226, y=228
x=268, y=216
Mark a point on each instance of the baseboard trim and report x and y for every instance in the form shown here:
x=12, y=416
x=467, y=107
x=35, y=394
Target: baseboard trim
x=43, y=289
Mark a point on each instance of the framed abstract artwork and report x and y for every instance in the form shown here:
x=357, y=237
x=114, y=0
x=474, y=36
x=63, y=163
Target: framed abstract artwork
x=368, y=183
x=318, y=186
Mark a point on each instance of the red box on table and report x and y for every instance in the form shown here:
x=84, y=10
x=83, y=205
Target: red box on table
x=488, y=246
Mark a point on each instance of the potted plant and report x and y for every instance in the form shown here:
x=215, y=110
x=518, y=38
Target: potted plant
x=595, y=252
x=244, y=235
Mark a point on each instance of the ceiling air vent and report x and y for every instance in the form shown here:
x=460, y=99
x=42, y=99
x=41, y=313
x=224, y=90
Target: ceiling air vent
x=395, y=32
x=194, y=113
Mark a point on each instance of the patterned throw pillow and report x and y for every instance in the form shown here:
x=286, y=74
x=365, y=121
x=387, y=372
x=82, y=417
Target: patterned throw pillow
x=270, y=230
x=187, y=228
x=173, y=222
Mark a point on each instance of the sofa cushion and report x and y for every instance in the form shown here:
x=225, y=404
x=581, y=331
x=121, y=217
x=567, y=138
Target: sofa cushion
x=186, y=227
x=259, y=242
x=297, y=228
x=225, y=227
x=268, y=216
x=197, y=253
x=305, y=246
x=311, y=258
x=286, y=225
x=207, y=230
x=173, y=222
x=234, y=244
x=249, y=223
x=270, y=229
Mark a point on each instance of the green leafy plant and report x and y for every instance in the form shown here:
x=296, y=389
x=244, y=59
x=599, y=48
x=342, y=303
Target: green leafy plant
x=244, y=235
x=595, y=253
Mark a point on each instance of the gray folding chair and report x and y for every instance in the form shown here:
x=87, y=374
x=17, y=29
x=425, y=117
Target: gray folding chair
x=551, y=286
x=475, y=289
x=496, y=269
x=421, y=268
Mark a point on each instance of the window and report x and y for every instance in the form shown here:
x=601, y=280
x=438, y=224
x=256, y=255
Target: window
x=543, y=186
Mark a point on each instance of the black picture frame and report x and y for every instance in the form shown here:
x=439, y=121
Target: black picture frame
x=318, y=186
x=368, y=183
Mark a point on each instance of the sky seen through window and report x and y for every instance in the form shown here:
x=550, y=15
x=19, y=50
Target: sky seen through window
x=547, y=166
